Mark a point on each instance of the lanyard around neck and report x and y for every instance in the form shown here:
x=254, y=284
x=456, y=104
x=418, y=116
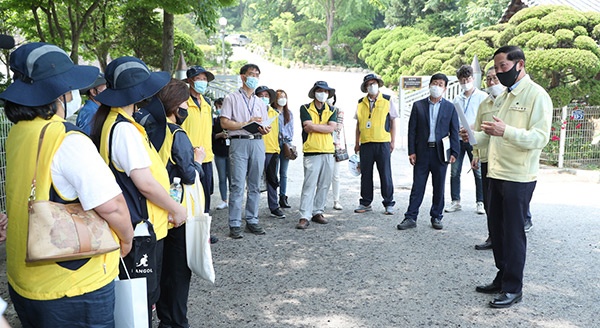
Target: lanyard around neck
x=250, y=108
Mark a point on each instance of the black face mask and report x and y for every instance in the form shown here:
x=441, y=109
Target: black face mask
x=509, y=78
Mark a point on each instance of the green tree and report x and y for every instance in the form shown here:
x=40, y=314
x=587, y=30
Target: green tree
x=560, y=44
x=60, y=22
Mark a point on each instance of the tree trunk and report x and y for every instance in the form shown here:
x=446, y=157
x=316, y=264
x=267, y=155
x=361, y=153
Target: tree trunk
x=329, y=17
x=168, y=52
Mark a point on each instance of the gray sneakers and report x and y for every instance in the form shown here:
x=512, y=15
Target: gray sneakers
x=453, y=207
x=389, y=210
x=255, y=229
x=235, y=232
x=363, y=208
x=407, y=224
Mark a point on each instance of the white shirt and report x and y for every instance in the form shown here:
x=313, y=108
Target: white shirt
x=78, y=171
x=128, y=149
x=470, y=105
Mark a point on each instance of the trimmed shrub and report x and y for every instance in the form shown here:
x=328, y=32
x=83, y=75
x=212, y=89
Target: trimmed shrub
x=541, y=41
x=431, y=66
x=564, y=37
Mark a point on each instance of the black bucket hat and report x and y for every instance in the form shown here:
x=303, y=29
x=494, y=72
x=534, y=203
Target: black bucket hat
x=42, y=73
x=272, y=94
x=129, y=81
x=196, y=70
x=321, y=85
x=154, y=120
x=100, y=80
x=367, y=78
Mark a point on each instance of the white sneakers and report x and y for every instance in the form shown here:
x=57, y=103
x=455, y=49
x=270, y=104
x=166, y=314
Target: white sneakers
x=453, y=207
x=480, y=209
x=222, y=206
x=337, y=206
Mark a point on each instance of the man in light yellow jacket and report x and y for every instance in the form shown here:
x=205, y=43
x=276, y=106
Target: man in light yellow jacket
x=514, y=139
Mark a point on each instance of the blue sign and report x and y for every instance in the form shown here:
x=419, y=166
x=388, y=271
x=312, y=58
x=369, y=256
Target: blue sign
x=577, y=115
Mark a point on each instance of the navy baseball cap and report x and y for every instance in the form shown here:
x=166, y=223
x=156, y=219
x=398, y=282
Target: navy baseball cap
x=197, y=70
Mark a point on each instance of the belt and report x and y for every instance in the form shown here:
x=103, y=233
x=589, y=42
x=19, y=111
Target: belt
x=431, y=144
x=246, y=136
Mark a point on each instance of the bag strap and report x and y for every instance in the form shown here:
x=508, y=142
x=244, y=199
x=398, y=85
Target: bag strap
x=125, y=267
x=37, y=159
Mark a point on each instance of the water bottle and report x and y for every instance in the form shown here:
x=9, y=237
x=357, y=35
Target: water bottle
x=176, y=190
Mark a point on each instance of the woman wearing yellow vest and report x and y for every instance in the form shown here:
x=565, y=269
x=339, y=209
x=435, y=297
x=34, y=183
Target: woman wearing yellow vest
x=272, y=150
x=184, y=162
x=68, y=293
x=140, y=172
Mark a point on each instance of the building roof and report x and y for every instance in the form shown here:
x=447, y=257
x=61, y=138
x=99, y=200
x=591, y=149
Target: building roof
x=582, y=5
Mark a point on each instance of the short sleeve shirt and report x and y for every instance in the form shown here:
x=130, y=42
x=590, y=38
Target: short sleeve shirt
x=239, y=108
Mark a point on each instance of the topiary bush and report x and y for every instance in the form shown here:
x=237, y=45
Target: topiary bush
x=542, y=41
x=431, y=66
x=564, y=37
x=587, y=43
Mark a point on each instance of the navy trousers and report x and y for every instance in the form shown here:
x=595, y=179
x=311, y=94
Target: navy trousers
x=376, y=153
x=93, y=310
x=427, y=163
x=508, y=206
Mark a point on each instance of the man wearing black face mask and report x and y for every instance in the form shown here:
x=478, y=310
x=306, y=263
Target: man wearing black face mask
x=514, y=140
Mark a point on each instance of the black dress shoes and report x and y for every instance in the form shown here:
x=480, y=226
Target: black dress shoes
x=506, y=300
x=488, y=289
x=486, y=245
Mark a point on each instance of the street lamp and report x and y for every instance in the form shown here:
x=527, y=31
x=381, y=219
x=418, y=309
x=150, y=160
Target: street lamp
x=223, y=23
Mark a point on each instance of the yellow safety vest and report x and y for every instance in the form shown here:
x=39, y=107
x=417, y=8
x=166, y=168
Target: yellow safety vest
x=379, y=130
x=319, y=142
x=198, y=126
x=157, y=215
x=272, y=138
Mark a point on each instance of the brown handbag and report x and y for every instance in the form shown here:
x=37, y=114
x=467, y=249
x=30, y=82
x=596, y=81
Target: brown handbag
x=289, y=151
x=61, y=232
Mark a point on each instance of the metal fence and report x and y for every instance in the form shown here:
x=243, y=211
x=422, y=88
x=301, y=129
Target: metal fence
x=574, y=139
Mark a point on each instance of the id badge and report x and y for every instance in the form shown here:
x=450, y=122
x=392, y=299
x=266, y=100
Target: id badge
x=227, y=142
x=368, y=124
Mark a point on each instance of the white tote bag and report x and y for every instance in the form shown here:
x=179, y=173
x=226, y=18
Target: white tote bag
x=197, y=233
x=131, y=303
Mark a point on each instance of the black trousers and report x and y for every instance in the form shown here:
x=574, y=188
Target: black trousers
x=171, y=307
x=207, y=184
x=376, y=153
x=508, y=206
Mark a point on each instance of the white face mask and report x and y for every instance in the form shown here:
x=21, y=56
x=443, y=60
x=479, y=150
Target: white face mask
x=467, y=86
x=373, y=89
x=330, y=101
x=496, y=89
x=282, y=101
x=436, y=91
x=72, y=106
x=322, y=96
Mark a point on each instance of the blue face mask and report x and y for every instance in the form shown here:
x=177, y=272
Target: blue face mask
x=252, y=82
x=200, y=86
x=266, y=100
